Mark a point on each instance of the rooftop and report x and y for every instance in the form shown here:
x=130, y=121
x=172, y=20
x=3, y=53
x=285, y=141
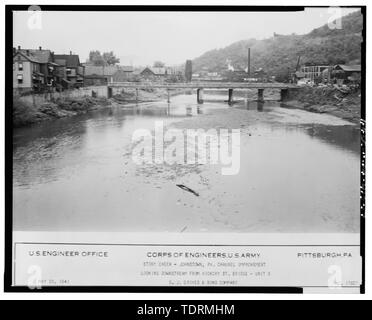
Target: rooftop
x=69, y=60
x=36, y=55
x=101, y=70
x=350, y=68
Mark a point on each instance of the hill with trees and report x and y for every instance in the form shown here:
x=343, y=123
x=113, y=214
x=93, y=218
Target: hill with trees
x=322, y=46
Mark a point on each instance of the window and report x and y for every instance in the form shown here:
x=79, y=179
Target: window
x=20, y=66
x=20, y=78
x=68, y=71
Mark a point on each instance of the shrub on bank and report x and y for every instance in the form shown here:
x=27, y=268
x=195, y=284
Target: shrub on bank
x=25, y=113
x=81, y=104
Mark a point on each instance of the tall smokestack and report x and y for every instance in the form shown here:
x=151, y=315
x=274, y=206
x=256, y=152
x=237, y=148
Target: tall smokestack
x=249, y=61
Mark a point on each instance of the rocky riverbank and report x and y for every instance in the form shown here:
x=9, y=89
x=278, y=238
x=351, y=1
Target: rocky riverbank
x=341, y=103
x=25, y=113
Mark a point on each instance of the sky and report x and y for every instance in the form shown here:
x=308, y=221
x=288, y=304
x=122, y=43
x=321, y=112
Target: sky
x=140, y=38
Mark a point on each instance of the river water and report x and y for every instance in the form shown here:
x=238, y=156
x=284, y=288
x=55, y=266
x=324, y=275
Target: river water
x=299, y=172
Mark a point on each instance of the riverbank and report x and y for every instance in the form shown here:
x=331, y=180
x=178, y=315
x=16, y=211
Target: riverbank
x=328, y=100
x=26, y=113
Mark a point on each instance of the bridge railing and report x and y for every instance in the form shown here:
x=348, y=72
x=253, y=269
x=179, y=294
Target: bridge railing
x=197, y=85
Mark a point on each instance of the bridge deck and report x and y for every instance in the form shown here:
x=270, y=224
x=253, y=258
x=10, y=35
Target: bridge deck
x=203, y=85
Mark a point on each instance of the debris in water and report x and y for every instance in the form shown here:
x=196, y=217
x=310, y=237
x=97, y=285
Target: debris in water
x=51, y=143
x=183, y=187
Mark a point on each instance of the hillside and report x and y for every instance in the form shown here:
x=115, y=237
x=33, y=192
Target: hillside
x=275, y=55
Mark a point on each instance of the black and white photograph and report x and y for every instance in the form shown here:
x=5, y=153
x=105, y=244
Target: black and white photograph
x=186, y=148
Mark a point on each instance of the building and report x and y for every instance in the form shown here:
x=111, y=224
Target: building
x=27, y=74
x=47, y=65
x=99, y=75
x=175, y=74
x=346, y=73
x=125, y=73
x=153, y=73
x=47, y=69
x=175, y=70
x=95, y=80
x=45, y=75
x=71, y=69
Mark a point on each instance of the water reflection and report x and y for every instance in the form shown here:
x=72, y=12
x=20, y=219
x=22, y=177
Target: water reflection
x=260, y=106
x=344, y=137
x=189, y=111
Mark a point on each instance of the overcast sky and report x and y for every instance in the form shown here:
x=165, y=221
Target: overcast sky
x=139, y=38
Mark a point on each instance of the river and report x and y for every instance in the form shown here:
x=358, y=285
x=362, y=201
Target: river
x=299, y=172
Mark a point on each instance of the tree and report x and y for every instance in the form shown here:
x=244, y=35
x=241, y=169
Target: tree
x=110, y=59
x=107, y=58
x=323, y=46
x=158, y=64
x=96, y=58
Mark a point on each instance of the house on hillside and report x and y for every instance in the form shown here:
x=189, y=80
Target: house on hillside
x=346, y=73
x=71, y=69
